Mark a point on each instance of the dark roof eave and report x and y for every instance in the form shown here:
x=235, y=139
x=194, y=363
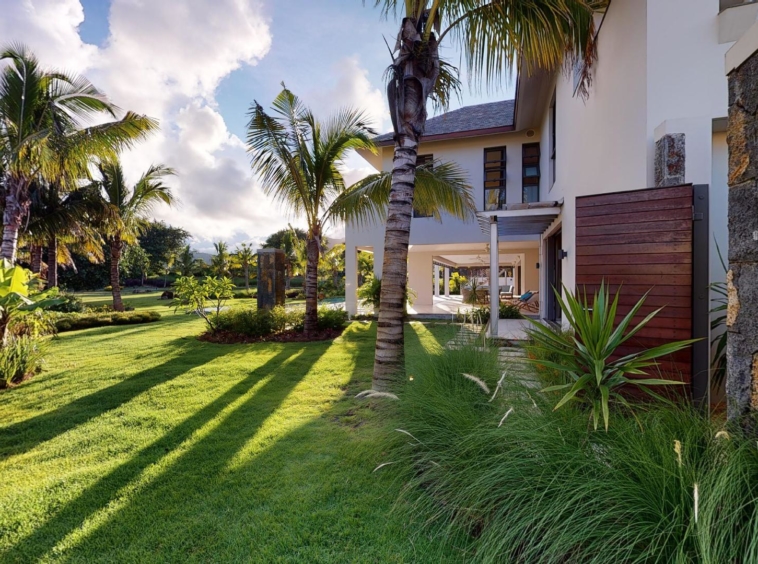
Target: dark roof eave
x=455, y=135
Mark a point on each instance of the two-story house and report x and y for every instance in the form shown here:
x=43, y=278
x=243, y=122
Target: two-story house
x=627, y=185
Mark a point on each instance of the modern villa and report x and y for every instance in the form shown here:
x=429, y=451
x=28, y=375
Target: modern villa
x=627, y=185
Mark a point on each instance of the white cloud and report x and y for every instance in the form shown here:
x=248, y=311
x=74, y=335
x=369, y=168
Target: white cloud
x=166, y=59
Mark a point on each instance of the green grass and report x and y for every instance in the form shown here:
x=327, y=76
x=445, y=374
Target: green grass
x=142, y=444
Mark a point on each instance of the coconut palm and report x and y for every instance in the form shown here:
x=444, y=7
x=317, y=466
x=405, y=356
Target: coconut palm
x=186, y=263
x=246, y=256
x=41, y=118
x=493, y=37
x=221, y=262
x=129, y=209
x=298, y=160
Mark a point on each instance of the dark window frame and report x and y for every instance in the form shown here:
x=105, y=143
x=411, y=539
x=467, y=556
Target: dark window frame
x=503, y=178
x=422, y=160
x=530, y=158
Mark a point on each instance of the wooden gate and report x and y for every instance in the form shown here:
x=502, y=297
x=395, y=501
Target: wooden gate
x=652, y=240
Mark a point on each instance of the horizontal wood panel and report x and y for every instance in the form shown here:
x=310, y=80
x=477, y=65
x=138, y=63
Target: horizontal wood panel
x=583, y=230
x=635, y=249
x=649, y=279
x=631, y=207
x=626, y=238
x=641, y=242
x=637, y=291
x=635, y=196
x=637, y=217
x=649, y=259
x=640, y=268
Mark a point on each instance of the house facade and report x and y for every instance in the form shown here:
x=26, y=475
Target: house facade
x=658, y=95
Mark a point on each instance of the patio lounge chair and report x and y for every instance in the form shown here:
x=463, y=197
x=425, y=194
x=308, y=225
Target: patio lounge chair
x=506, y=292
x=528, y=302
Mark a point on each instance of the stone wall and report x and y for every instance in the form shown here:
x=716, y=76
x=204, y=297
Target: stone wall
x=271, y=278
x=742, y=279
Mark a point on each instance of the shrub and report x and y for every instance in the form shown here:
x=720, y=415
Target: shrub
x=331, y=318
x=244, y=295
x=291, y=294
x=67, y=303
x=510, y=311
x=33, y=324
x=370, y=293
x=76, y=321
x=296, y=282
x=20, y=358
x=482, y=314
x=511, y=480
x=193, y=295
x=456, y=282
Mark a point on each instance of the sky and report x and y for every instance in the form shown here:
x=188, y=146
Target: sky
x=197, y=66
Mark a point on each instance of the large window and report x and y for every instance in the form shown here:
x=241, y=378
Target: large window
x=530, y=175
x=423, y=160
x=494, y=178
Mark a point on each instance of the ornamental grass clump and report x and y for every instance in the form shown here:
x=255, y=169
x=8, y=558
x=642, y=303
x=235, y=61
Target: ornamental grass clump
x=513, y=480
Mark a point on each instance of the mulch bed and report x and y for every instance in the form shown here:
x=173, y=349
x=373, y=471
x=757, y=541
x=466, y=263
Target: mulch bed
x=229, y=338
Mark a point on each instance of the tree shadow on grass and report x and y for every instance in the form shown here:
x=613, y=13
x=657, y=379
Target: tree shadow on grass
x=307, y=495
x=25, y=435
x=195, y=471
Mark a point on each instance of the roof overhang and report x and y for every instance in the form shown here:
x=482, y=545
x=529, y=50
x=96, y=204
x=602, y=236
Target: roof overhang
x=533, y=93
x=521, y=219
x=455, y=135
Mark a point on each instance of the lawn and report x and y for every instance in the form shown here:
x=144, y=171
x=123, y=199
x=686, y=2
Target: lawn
x=142, y=444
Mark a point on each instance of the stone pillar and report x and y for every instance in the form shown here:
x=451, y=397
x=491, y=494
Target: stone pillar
x=447, y=282
x=270, y=278
x=742, y=278
x=436, y=280
x=670, y=160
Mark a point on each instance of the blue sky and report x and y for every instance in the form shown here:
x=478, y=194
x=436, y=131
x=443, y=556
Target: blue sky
x=197, y=65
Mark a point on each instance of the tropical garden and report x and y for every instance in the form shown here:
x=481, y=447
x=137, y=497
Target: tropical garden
x=152, y=411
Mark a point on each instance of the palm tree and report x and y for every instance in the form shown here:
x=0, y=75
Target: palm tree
x=129, y=208
x=41, y=113
x=186, y=263
x=221, y=262
x=493, y=37
x=298, y=159
x=246, y=256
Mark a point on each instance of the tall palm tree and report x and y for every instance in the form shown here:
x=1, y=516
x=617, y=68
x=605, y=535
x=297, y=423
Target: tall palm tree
x=186, y=263
x=246, y=256
x=298, y=160
x=222, y=260
x=493, y=37
x=42, y=111
x=129, y=209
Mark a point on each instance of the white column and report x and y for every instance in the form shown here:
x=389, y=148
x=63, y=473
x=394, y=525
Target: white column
x=351, y=280
x=447, y=281
x=436, y=280
x=494, y=283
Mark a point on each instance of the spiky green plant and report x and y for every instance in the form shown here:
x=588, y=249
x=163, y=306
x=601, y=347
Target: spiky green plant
x=594, y=379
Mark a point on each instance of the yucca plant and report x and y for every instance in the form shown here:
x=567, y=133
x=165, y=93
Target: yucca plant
x=720, y=301
x=593, y=379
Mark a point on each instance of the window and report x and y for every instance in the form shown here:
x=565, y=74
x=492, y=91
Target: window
x=423, y=160
x=552, y=141
x=494, y=178
x=530, y=177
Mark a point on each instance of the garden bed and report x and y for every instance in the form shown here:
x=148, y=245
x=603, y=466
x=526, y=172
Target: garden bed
x=292, y=336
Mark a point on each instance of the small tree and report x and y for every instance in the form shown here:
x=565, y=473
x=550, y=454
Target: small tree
x=246, y=257
x=136, y=260
x=222, y=260
x=193, y=295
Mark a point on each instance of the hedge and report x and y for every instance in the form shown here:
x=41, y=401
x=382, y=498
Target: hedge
x=76, y=321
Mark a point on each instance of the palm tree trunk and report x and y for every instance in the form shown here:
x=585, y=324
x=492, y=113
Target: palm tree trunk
x=414, y=78
x=118, y=305
x=36, y=258
x=12, y=217
x=52, y=262
x=311, y=283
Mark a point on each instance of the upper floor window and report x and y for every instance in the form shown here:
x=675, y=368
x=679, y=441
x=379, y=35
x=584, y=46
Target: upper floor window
x=494, y=178
x=530, y=176
x=423, y=160
x=553, y=131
